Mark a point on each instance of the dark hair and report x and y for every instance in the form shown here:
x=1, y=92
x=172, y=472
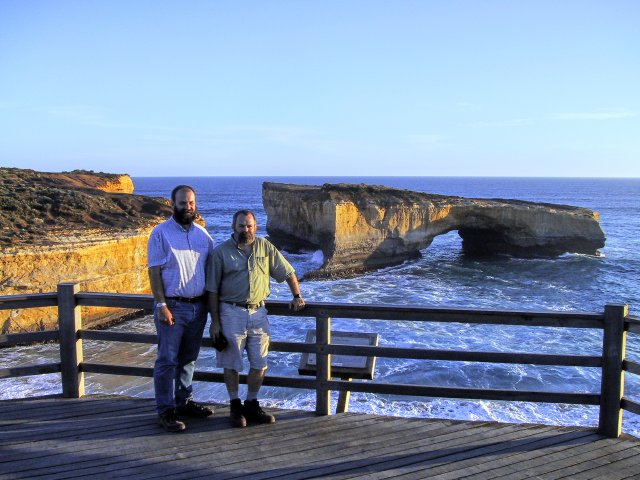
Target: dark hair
x=178, y=188
x=245, y=213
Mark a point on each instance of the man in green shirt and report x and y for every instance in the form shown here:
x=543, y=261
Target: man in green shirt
x=238, y=278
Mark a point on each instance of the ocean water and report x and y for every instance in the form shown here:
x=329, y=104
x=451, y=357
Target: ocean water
x=442, y=277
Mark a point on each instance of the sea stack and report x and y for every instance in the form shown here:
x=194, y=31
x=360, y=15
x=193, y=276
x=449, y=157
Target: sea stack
x=364, y=227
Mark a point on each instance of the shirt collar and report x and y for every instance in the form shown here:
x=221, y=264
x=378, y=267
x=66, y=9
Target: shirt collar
x=180, y=226
x=233, y=239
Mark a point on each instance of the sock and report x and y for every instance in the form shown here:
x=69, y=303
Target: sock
x=233, y=394
x=252, y=395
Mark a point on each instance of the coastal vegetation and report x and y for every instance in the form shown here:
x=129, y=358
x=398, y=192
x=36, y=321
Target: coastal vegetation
x=38, y=207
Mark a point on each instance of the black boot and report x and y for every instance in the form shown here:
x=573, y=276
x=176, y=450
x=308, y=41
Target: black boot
x=170, y=422
x=236, y=414
x=255, y=414
x=193, y=409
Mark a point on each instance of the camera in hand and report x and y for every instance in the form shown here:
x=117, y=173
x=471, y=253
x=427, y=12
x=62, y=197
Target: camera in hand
x=219, y=342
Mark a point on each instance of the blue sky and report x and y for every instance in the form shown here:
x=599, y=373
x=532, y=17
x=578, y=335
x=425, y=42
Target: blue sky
x=333, y=87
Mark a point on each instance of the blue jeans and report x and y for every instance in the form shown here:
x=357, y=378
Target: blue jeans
x=178, y=348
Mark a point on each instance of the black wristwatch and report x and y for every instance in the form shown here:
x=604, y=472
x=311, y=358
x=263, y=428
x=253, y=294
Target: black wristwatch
x=297, y=295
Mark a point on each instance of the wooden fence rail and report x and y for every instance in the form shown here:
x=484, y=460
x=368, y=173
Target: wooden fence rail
x=614, y=321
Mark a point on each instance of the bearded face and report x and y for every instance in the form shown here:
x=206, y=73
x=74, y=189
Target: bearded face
x=184, y=207
x=245, y=229
x=246, y=237
x=184, y=216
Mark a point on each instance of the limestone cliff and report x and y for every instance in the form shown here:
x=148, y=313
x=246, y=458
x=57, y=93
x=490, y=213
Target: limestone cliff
x=362, y=227
x=101, y=263
x=72, y=227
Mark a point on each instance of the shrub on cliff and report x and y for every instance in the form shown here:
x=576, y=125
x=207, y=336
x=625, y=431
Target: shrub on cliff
x=35, y=206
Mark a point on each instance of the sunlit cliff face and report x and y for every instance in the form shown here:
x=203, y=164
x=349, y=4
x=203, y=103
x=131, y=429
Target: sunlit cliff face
x=362, y=227
x=79, y=227
x=99, y=263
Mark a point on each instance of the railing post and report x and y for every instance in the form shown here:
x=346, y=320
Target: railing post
x=69, y=322
x=612, y=387
x=323, y=365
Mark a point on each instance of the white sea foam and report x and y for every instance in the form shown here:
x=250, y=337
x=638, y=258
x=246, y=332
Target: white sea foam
x=317, y=258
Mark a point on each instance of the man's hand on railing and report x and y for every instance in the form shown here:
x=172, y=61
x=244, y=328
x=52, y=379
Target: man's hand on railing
x=297, y=303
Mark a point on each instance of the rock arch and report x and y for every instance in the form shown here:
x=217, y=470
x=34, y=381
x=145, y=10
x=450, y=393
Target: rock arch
x=363, y=227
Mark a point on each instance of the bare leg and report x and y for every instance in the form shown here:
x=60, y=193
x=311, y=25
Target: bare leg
x=252, y=410
x=232, y=381
x=254, y=380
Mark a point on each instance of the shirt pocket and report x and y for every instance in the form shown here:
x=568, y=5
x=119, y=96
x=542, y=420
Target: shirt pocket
x=262, y=264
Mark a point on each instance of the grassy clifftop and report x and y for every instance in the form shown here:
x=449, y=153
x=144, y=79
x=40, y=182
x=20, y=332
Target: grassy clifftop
x=37, y=208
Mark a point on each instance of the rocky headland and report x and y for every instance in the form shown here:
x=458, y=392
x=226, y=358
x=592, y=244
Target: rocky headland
x=75, y=226
x=364, y=227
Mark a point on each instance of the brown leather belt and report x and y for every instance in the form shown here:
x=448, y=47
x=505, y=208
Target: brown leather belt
x=246, y=306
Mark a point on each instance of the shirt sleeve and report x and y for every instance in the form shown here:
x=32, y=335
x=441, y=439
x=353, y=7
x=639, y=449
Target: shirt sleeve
x=279, y=268
x=157, y=254
x=214, y=271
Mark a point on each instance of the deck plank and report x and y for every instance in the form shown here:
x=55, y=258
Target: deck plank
x=259, y=440
x=118, y=437
x=491, y=456
x=336, y=449
x=426, y=449
x=493, y=463
x=566, y=461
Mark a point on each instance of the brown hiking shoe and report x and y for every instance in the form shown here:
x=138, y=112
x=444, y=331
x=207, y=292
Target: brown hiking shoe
x=255, y=414
x=235, y=414
x=169, y=421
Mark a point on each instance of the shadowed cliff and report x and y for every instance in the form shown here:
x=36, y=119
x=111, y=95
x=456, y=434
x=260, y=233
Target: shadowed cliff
x=363, y=227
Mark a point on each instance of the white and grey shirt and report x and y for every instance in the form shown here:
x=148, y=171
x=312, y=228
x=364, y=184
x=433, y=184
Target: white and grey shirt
x=182, y=255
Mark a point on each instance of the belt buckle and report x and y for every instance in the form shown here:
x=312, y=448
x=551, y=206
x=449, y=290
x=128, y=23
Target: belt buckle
x=253, y=307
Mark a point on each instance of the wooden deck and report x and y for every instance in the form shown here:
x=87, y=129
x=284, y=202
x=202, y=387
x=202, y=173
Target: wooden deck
x=117, y=437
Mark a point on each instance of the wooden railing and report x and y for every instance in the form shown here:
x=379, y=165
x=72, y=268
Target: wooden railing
x=615, y=322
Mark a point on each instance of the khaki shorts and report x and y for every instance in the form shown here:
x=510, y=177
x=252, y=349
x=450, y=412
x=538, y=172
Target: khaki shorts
x=244, y=330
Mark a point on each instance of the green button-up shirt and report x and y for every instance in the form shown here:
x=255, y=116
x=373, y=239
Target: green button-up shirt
x=239, y=278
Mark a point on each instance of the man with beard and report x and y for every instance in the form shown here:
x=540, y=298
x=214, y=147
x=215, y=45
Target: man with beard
x=178, y=252
x=238, y=278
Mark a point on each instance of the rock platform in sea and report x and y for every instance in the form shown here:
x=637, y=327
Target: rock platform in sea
x=365, y=227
